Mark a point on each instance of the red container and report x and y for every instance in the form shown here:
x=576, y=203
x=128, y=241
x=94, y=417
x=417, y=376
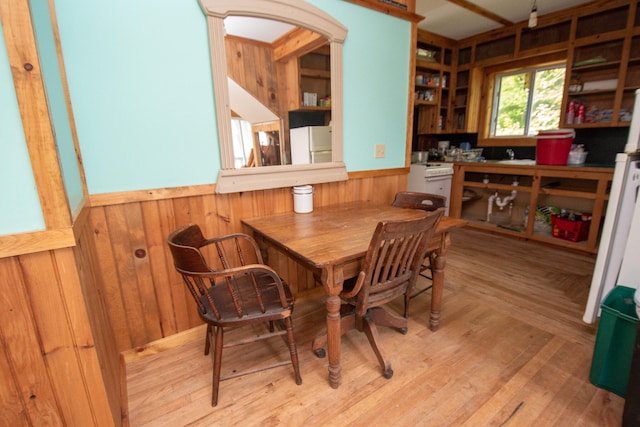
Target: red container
x=553, y=146
x=566, y=229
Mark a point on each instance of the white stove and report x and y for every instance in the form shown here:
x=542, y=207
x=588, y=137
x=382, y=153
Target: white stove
x=432, y=178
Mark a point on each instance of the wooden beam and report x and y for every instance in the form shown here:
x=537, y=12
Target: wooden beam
x=296, y=43
x=481, y=11
x=393, y=10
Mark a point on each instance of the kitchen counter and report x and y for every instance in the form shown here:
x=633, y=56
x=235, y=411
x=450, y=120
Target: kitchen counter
x=587, y=167
x=580, y=188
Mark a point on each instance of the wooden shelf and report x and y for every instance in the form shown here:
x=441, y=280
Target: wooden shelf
x=568, y=193
x=314, y=73
x=422, y=102
x=312, y=109
x=502, y=187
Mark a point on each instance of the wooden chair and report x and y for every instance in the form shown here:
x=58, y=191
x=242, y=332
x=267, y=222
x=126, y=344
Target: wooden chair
x=422, y=201
x=234, y=289
x=425, y=202
x=390, y=270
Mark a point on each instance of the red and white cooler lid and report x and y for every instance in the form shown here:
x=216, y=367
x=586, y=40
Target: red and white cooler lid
x=557, y=134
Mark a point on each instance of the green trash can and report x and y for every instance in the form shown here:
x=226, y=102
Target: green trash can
x=615, y=341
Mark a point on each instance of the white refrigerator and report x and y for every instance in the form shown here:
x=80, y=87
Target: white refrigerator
x=310, y=144
x=618, y=261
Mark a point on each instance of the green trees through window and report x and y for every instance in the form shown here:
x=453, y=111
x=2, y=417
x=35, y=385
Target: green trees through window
x=527, y=101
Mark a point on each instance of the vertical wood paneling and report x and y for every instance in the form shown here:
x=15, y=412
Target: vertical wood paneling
x=10, y=402
x=127, y=280
x=107, y=273
x=145, y=296
x=50, y=371
x=180, y=301
x=106, y=369
x=22, y=347
x=51, y=317
x=156, y=240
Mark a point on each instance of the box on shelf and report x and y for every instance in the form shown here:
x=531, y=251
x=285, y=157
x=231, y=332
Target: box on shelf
x=600, y=85
x=569, y=229
x=309, y=99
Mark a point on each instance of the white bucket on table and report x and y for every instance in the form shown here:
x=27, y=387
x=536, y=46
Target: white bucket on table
x=303, y=199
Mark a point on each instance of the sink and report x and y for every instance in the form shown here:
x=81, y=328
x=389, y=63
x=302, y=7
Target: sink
x=518, y=162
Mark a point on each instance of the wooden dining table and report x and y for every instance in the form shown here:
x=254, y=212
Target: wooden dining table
x=332, y=241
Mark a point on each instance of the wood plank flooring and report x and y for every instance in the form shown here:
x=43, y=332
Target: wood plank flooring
x=512, y=350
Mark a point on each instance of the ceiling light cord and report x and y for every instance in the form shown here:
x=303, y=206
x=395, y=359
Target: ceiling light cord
x=533, y=16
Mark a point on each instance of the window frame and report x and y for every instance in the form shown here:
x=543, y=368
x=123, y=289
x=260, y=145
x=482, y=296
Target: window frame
x=301, y=14
x=532, y=72
x=486, y=102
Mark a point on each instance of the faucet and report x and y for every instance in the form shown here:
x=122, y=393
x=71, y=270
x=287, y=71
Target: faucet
x=511, y=154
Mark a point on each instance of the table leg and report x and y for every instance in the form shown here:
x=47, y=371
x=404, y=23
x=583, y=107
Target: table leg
x=438, y=264
x=332, y=280
x=262, y=245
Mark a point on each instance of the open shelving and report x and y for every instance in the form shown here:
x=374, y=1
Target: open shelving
x=580, y=189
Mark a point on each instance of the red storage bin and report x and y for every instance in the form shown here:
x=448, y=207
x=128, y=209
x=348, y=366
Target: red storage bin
x=572, y=230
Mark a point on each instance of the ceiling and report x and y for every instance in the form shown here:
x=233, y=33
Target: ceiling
x=458, y=19
x=265, y=30
x=455, y=19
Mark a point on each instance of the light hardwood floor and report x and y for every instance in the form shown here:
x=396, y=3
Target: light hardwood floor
x=511, y=350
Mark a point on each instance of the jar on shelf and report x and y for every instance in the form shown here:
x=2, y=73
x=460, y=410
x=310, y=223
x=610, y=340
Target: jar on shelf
x=575, y=85
x=571, y=112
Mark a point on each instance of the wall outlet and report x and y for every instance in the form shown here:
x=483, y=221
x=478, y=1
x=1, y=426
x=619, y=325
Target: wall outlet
x=379, y=151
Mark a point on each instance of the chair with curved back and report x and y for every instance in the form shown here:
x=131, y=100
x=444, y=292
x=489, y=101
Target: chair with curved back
x=425, y=202
x=233, y=289
x=390, y=270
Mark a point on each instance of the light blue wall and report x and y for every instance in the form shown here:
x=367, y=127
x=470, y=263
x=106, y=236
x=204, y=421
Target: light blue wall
x=20, y=210
x=140, y=83
x=57, y=102
x=376, y=76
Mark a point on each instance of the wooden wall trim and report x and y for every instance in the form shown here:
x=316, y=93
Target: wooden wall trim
x=37, y=241
x=106, y=199
x=378, y=173
x=67, y=96
x=32, y=101
x=45, y=240
x=392, y=10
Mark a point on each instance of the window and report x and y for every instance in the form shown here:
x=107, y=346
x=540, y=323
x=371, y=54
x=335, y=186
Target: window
x=527, y=101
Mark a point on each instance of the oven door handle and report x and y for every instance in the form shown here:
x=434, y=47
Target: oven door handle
x=437, y=177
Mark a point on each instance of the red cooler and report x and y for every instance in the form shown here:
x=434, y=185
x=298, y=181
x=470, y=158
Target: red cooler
x=553, y=146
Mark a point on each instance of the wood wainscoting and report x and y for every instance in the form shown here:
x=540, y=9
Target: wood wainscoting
x=58, y=361
x=145, y=298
